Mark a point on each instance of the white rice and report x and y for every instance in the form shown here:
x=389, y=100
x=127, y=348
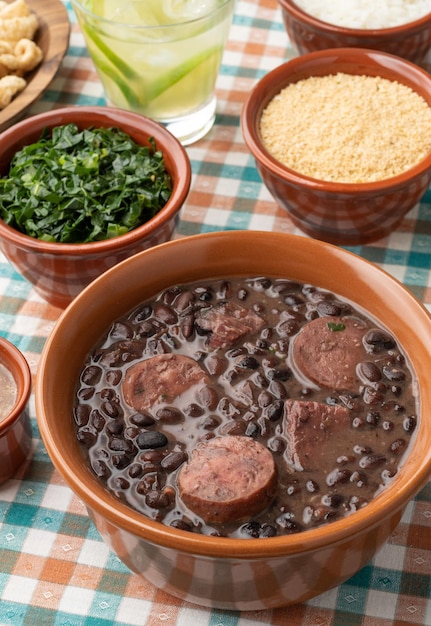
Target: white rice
x=366, y=14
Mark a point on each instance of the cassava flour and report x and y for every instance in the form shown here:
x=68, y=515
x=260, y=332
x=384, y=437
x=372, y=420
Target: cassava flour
x=347, y=128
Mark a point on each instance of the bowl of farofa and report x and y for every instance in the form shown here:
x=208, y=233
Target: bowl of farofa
x=403, y=30
x=342, y=140
x=91, y=202
x=196, y=359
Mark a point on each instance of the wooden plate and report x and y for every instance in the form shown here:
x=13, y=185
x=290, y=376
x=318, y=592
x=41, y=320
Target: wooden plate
x=53, y=39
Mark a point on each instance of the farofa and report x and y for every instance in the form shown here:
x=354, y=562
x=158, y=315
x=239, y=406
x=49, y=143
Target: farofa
x=347, y=128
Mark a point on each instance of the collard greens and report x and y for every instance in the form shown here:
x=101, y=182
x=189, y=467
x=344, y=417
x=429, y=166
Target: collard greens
x=77, y=186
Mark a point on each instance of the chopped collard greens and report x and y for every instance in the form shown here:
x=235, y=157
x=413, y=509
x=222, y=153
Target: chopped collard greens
x=79, y=186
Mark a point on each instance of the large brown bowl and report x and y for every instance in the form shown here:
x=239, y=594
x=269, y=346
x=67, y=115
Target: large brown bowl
x=234, y=574
x=59, y=271
x=340, y=213
x=411, y=41
x=15, y=427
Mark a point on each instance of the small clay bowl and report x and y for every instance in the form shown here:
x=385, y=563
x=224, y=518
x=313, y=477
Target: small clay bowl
x=59, y=271
x=337, y=212
x=411, y=41
x=15, y=427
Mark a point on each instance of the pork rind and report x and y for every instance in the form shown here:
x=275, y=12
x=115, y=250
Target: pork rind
x=19, y=53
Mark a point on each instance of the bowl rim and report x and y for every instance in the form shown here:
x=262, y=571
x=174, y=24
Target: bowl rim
x=263, y=92
x=361, y=33
x=97, y=498
x=118, y=117
x=10, y=354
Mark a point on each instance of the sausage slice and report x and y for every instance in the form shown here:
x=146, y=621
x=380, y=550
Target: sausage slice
x=327, y=351
x=160, y=380
x=228, y=478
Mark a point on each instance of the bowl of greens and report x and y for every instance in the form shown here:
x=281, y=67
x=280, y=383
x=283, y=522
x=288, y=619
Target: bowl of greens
x=81, y=189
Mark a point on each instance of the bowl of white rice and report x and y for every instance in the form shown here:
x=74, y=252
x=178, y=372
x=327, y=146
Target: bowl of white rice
x=342, y=140
x=401, y=27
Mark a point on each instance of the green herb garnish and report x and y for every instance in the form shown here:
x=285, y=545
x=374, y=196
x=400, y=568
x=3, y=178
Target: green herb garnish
x=336, y=327
x=76, y=186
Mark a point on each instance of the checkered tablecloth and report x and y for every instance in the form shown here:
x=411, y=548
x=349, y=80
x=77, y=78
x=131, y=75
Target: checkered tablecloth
x=54, y=567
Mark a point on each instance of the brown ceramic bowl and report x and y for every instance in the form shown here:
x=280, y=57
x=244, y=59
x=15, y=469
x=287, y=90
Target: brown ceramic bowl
x=15, y=427
x=340, y=213
x=234, y=574
x=60, y=271
x=411, y=41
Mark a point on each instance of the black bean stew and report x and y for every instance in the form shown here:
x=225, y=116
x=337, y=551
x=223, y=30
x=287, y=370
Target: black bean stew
x=246, y=407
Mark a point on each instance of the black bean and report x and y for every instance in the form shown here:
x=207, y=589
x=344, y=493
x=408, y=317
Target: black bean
x=409, y=423
x=293, y=299
x=173, y=460
x=394, y=373
x=242, y=294
x=280, y=373
x=85, y=393
x=369, y=371
x=248, y=362
x=333, y=500
x=288, y=328
x=151, y=439
x=165, y=314
x=131, y=432
x=371, y=460
x=81, y=414
x=158, y=499
x=97, y=420
x=252, y=430
x=398, y=446
x=120, y=461
x=312, y=486
x=113, y=377
x=208, y=397
x=251, y=529
x=120, y=330
x=372, y=418
x=121, y=445
x=91, y=375
x=181, y=525
x=288, y=524
x=387, y=425
x=101, y=469
x=265, y=399
x=119, y=482
x=337, y=476
x=141, y=314
x=142, y=419
x=193, y=410
x=361, y=449
x=111, y=409
x=267, y=530
x=86, y=437
x=329, y=308
x=275, y=410
x=114, y=427
x=184, y=300
x=135, y=470
x=379, y=339
x=169, y=415
x=359, y=478
x=187, y=325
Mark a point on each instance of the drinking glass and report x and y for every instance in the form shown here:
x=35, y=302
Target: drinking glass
x=160, y=58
